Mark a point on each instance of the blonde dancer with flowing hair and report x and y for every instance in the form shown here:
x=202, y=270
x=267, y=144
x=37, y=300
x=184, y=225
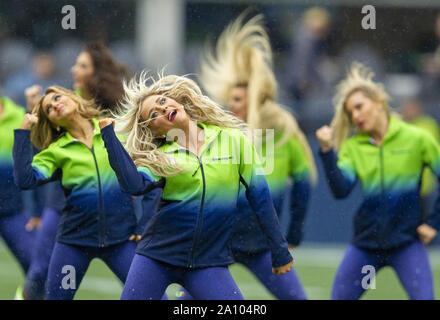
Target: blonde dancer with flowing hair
x=239, y=74
x=388, y=156
x=180, y=140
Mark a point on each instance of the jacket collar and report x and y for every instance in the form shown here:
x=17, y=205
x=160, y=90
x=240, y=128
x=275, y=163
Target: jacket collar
x=211, y=132
x=394, y=126
x=68, y=138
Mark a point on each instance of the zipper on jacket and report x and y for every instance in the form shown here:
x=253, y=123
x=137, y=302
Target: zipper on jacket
x=202, y=203
x=382, y=185
x=199, y=217
x=101, y=219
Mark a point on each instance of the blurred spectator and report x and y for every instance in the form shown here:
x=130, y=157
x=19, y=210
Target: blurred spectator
x=412, y=112
x=431, y=62
x=430, y=66
x=42, y=74
x=309, y=47
x=15, y=56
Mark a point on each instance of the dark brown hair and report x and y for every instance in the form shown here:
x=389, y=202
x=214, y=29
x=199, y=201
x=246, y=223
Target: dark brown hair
x=105, y=85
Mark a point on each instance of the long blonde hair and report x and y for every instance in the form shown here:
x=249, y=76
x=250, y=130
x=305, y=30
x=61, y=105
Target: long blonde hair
x=43, y=133
x=359, y=78
x=243, y=57
x=141, y=143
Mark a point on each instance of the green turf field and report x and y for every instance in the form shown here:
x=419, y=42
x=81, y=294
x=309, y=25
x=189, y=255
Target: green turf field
x=314, y=263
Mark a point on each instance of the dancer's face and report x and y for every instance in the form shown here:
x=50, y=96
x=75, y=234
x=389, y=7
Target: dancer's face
x=163, y=114
x=58, y=108
x=237, y=102
x=82, y=70
x=364, y=112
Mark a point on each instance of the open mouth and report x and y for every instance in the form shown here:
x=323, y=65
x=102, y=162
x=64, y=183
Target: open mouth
x=59, y=109
x=172, y=115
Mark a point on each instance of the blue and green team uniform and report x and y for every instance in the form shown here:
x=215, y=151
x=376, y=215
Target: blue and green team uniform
x=12, y=216
x=97, y=218
x=386, y=222
x=249, y=245
x=50, y=201
x=188, y=241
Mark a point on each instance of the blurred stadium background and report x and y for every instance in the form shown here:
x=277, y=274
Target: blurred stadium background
x=311, y=54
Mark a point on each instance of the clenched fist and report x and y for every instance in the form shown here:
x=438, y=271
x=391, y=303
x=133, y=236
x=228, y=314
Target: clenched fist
x=32, y=95
x=28, y=121
x=426, y=233
x=325, y=137
x=283, y=269
x=105, y=122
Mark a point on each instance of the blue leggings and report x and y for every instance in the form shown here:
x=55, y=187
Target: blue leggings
x=34, y=287
x=59, y=281
x=411, y=264
x=148, y=280
x=18, y=240
x=283, y=287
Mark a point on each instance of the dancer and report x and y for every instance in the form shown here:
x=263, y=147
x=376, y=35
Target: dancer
x=97, y=75
x=98, y=219
x=240, y=75
x=48, y=202
x=387, y=156
x=187, y=241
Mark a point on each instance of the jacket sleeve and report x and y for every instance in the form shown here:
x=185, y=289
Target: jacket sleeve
x=341, y=175
x=300, y=192
x=37, y=197
x=431, y=157
x=31, y=171
x=130, y=179
x=257, y=193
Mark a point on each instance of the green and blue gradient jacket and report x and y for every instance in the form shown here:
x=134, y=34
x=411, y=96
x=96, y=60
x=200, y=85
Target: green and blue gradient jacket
x=390, y=175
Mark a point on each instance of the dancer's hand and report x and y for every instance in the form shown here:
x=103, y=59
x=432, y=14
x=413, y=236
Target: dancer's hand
x=32, y=95
x=105, y=122
x=135, y=237
x=28, y=121
x=283, y=269
x=325, y=137
x=426, y=233
x=33, y=223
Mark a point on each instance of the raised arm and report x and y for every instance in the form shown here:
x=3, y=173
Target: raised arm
x=130, y=179
x=30, y=171
x=300, y=193
x=340, y=173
